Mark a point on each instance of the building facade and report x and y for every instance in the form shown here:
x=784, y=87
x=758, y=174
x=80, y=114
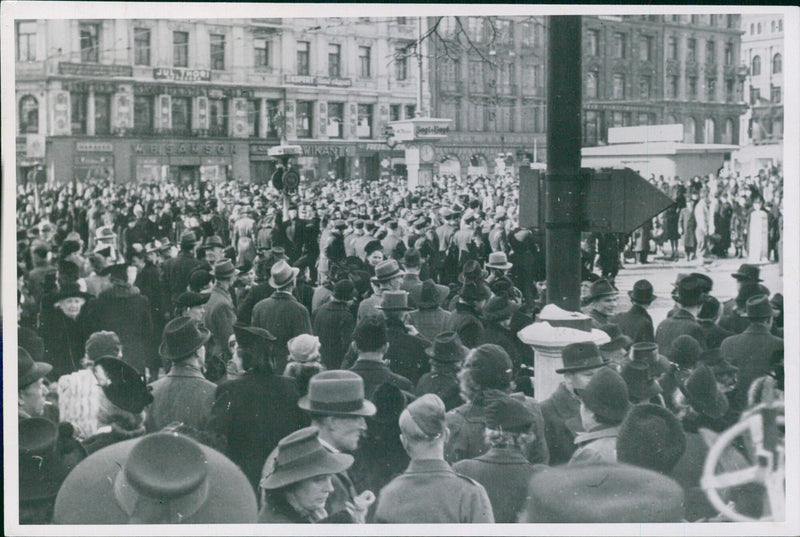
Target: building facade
x=762, y=125
x=151, y=100
x=637, y=70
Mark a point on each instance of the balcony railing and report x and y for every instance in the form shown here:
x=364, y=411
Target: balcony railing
x=452, y=86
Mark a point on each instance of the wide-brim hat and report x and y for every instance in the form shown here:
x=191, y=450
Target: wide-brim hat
x=498, y=308
x=336, y=393
x=164, y=473
x=223, y=269
x=182, y=336
x=498, y=260
x=190, y=299
x=188, y=238
x=301, y=456
x=472, y=272
x=394, y=301
x=748, y=272
x=580, y=357
x=447, y=347
x=690, y=291
x=122, y=384
x=430, y=296
x=282, y=274
x=759, y=307
x=214, y=241
x=29, y=371
x=601, y=288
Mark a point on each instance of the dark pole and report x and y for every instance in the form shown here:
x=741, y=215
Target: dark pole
x=562, y=204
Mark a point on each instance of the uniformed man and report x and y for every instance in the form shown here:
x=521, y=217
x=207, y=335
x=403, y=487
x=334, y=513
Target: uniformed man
x=429, y=491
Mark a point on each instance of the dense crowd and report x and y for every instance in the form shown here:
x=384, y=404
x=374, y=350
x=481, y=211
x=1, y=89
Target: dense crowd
x=209, y=353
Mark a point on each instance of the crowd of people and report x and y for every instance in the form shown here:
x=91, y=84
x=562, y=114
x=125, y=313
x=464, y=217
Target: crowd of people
x=225, y=352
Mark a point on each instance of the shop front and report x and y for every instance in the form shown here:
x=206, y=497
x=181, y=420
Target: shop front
x=182, y=161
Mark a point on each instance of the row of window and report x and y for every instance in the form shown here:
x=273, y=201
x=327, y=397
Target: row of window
x=597, y=122
x=775, y=26
x=484, y=78
x=775, y=95
x=491, y=30
x=479, y=116
x=726, y=21
x=777, y=65
x=646, y=44
x=644, y=89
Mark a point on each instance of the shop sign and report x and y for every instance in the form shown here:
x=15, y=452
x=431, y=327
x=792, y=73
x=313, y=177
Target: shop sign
x=22, y=145
x=94, y=160
x=85, y=86
x=35, y=146
x=182, y=74
x=307, y=80
x=209, y=149
x=333, y=151
x=94, y=69
x=421, y=129
x=259, y=149
x=190, y=91
x=94, y=147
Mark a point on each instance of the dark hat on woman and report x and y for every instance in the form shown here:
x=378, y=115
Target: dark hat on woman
x=710, y=308
x=429, y=295
x=651, y=437
x=122, y=384
x=428, y=413
x=472, y=272
x=44, y=462
x=159, y=478
x=336, y=393
x=607, y=395
x=29, y=371
x=103, y=344
x=199, y=279
x=642, y=292
x=301, y=456
x=703, y=393
x=372, y=246
x=602, y=492
x=253, y=337
x=447, y=347
x=70, y=290
x=618, y=339
x=505, y=413
x=490, y=366
x=580, y=357
x=182, y=336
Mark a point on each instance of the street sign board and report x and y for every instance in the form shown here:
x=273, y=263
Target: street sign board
x=420, y=128
x=619, y=201
x=285, y=151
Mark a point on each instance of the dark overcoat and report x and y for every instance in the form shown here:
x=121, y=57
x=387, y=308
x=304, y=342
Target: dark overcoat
x=376, y=373
x=406, y=354
x=252, y=414
x=750, y=351
x=680, y=323
x=333, y=325
x=561, y=413
x=183, y=395
x=284, y=317
x=636, y=323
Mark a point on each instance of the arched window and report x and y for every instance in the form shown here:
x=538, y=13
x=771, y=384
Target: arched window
x=727, y=134
x=670, y=119
x=755, y=69
x=28, y=115
x=708, y=131
x=689, y=130
x=777, y=64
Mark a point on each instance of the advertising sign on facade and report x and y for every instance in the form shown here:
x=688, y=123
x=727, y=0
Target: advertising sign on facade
x=180, y=74
x=94, y=69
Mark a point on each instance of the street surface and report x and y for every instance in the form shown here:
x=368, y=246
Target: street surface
x=662, y=275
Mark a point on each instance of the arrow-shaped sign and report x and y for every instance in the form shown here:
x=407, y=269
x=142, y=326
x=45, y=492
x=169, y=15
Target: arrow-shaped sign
x=619, y=201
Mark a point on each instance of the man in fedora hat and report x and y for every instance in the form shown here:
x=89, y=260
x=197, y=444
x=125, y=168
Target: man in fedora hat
x=412, y=264
x=175, y=272
x=636, y=323
x=736, y=320
x=429, y=491
x=253, y=412
x=751, y=350
x=388, y=277
x=371, y=342
x=333, y=323
x=745, y=273
x=615, y=352
x=281, y=313
x=604, y=404
x=337, y=407
x=430, y=318
x=465, y=319
x=122, y=309
x=406, y=353
x=689, y=297
x=446, y=356
x=220, y=315
x=31, y=388
x=561, y=411
x=184, y=395
x=642, y=388
x=601, y=303
x=122, y=485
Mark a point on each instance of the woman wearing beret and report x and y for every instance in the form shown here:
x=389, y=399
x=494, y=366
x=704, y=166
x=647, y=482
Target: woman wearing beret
x=299, y=483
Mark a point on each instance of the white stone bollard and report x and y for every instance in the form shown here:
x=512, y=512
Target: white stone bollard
x=555, y=329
